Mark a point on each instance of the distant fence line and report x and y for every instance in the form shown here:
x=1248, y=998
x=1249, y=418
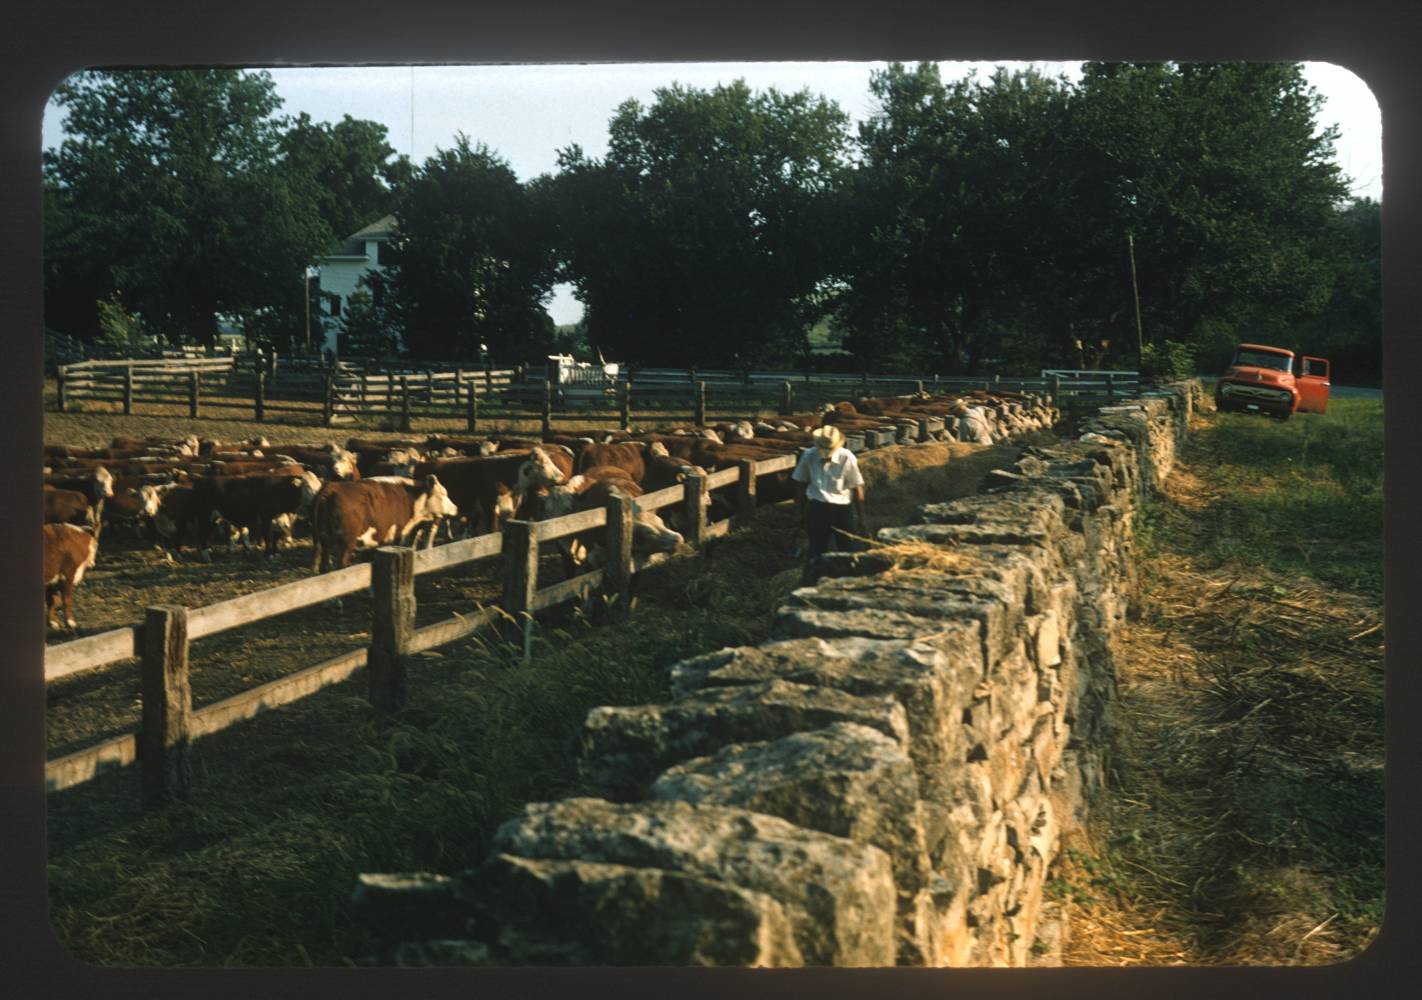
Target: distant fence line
x=399, y=394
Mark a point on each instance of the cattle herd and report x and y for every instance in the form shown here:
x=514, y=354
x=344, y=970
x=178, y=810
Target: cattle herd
x=194, y=492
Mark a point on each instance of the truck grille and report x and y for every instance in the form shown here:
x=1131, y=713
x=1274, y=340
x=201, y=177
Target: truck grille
x=1263, y=394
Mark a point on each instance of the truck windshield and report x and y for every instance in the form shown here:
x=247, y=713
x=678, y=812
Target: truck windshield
x=1263, y=359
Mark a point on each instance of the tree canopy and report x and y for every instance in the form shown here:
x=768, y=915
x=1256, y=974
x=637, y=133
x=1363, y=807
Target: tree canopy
x=704, y=235
x=983, y=223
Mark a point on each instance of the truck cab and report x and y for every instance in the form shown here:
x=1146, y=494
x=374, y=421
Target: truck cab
x=1261, y=379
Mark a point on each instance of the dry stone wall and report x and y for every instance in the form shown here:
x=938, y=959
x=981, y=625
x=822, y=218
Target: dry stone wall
x=885, y=782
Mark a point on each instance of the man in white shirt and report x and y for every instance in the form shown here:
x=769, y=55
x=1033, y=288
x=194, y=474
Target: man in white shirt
x=829, y=490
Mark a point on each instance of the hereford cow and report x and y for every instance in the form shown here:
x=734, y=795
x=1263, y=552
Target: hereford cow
x=71, y=507
x=592, y=490
x=347, y=516
x=488, y=490
x=68, y=552
x=253, y=503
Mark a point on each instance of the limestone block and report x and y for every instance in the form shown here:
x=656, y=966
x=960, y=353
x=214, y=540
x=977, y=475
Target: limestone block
x=846, y=780
x=624, y=748
x=562, y=913
x=838, y=895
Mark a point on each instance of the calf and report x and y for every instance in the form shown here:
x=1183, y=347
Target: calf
x=68, y=552
x=97, y=486
x=364, y=514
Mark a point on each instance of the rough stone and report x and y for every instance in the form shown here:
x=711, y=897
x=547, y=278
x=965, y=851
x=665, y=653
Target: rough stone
x=624, y=748
x=838, y=895
x=562, y=913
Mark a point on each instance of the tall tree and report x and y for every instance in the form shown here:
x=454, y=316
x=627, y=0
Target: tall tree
x=705, y=235
x=349, y=167
x=167, y=188
x=473, y=262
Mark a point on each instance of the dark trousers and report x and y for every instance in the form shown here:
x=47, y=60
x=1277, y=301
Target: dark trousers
x=820, y=521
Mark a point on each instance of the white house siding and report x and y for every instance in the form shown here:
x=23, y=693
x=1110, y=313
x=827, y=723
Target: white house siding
x=341, y=274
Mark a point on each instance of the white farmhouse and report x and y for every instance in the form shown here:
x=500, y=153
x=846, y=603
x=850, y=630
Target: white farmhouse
x=343, y=268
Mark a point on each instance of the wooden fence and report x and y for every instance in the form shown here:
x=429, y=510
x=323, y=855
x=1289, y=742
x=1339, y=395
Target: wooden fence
x=484, y=395
x=169, y=723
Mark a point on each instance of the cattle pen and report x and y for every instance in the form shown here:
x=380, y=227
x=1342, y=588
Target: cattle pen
x=161, y=642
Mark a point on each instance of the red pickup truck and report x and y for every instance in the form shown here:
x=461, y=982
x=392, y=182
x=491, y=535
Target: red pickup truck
x=1262, y=379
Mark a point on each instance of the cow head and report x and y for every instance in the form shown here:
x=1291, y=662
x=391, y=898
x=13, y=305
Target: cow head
x=103, y=482
x=658, y=449
x=744, y=430
x=434, y=501
x=148, y=501
x=190, y=446
x=343, y=463
x=710, y=435
x=557, y=501
x=488, y=447
x=538, y=470
x=650, y=534
x=310, y=485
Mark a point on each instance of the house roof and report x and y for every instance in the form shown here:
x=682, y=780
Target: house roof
x=354, y=244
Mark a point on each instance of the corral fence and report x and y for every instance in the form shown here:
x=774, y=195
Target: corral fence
x=347, y=392
x=168, y=722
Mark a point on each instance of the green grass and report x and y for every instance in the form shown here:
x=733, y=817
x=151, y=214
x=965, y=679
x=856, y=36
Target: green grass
x=258, y=868
x=1299, y=496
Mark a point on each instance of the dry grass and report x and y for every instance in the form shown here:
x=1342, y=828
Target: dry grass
x=1244, y=821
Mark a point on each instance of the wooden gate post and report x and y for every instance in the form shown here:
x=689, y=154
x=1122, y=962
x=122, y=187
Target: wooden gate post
x=547, y=405
x=59, y=387
x=471, y=405
x=404, y=402
x=488, y=375
x=787, y=398
x=918, y=387
x=259, y=398
x=193, y=390
x=624, y=404
x=521, y=576
x=166, y=727
x=128, y=389
x=700, y=404
x=1056, y=390
x=1110, y=387
x=392, y=625
x=694, y=508
x=617, y=572
x=745, y=489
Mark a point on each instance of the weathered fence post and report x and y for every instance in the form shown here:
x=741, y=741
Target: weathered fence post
x=694, y=508
x=471, y=415
x=521, y=576
x=624, y=404
x=864, y=383
x=918, y=387
x=59, y=387
x=128, y=389
x=617, y=572
x=745, y=489
x=193, y=390
x=259, y=397
x=547, y=406
x=166, y=723
x=1110, y=387
x=1056, y=390
x=328, y=401
x=787, y=398
x=404, y=402
x=488, y=375
x=429, y=392
x=392, y=625
x=700, y=404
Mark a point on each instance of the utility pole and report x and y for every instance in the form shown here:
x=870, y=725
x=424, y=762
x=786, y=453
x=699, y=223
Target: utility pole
x=1135, y=291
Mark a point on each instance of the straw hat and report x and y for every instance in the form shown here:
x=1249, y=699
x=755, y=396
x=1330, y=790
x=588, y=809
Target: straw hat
x=827, y=439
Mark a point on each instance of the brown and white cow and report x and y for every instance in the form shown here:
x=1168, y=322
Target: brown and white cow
x=488, y=490
x=591, y=490
x=71, y=507
x=254, y=503
x=68, y=552
x=368, y=513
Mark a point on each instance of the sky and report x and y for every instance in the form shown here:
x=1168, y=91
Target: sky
x=527, y=113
